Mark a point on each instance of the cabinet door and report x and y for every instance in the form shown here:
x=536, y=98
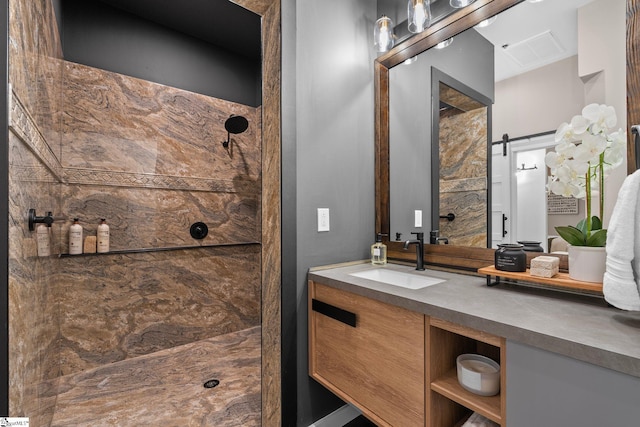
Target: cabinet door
x=378, y=364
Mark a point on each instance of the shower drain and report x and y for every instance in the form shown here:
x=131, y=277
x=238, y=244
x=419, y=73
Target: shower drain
x=211, y=383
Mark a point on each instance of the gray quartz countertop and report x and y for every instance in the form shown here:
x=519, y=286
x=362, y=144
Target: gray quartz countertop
x=578, y=326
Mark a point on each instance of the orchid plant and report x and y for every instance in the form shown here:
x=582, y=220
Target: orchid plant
x=588, y=149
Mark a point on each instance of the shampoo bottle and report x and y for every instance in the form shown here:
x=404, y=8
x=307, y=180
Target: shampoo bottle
x=103, y=236
x=43, y=240
x=379, y=251
x=75, y=238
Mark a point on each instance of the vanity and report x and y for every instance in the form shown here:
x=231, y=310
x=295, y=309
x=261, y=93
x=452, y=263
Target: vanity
x=381, y=341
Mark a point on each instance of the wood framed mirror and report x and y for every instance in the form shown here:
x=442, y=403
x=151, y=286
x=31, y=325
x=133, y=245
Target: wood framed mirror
x=453, y=255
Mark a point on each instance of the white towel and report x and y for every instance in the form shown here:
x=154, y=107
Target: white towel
x=477, y=420
x=621, y=285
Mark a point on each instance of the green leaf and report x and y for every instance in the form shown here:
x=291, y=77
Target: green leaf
x=573, y=235
x=596, y=224
x=598, y=239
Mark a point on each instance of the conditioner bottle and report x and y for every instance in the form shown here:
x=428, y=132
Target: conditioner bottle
x=379, y=251
x=103, y=236
x=75, y=238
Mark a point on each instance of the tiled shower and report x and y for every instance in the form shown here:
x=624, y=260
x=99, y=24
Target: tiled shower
x=93, y=144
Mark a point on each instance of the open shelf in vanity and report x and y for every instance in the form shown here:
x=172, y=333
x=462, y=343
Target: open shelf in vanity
x=449, y=404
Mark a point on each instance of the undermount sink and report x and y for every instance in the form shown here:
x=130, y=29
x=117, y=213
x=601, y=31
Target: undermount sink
x=398, y=278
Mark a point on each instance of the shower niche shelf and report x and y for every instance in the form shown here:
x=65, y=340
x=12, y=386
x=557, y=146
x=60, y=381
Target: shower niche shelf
x=163, y=249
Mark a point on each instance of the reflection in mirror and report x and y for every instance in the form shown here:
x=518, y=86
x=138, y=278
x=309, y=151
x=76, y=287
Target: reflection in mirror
x=461, y=127
x=534, y=90
x=552, y=62
x=467, y=65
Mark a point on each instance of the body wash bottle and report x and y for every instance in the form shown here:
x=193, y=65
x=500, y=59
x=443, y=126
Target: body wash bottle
x=103, y=236
x=75, y=238
x=379, y=251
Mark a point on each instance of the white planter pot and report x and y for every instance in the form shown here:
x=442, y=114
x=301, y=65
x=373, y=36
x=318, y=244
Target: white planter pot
x=587, y=263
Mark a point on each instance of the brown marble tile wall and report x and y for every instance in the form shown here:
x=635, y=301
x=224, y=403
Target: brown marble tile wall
x=121, y=306
x=33, y=311
x=35, y=65
x=155, y=218
x=35, y=70
x=149, y=158
x=463, y=177
x=118, y=123
x=271, y=218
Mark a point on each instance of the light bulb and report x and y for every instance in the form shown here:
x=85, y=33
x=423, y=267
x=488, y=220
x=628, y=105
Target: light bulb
x=486, y=22
x=444, y=43
x=419, y=12
x=383, y=34
x=457, y=4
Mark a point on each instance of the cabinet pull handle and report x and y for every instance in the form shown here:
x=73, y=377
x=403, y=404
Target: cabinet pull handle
x=334, y=312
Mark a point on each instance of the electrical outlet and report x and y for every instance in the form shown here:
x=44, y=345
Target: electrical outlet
x=418, y=218
x=323, y=219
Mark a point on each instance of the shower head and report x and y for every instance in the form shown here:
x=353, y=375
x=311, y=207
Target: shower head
x=234, y=124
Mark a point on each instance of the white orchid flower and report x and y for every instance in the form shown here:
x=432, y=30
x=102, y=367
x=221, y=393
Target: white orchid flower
x=553, y=160
x=591, y=148
x=602, y=117
x=564, y=132
x=571, y=172
x=579, y=125
x=565, y=189
x=566, y=149
x=579, y=169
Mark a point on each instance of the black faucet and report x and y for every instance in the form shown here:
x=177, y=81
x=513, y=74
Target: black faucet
x=419, y=242
x=434, y=239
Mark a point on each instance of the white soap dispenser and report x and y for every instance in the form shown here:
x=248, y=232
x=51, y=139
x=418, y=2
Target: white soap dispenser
x=379, y=251
x=103, y=236
x=75, y=238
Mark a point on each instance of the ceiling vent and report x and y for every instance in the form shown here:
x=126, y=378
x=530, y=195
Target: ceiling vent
x=534, y=51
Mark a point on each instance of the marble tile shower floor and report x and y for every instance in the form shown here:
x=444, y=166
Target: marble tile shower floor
x=166, y=388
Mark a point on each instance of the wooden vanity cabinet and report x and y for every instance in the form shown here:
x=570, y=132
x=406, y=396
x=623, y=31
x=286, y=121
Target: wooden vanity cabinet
x=449, y=404
x=368, y=353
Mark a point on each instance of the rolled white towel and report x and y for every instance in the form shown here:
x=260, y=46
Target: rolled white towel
x=621, y=284
x=477, y=420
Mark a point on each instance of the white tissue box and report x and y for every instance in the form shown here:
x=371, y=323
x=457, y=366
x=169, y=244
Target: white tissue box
x=545, y=266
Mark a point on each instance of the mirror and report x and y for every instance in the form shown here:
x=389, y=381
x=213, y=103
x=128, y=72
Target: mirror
x=435, y=167
x=525, y=103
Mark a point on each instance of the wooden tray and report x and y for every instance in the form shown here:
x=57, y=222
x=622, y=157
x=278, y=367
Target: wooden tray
x=561, y=279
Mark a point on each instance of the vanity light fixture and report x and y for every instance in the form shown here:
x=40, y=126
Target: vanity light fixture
x=383, y=36
x=419, y=12
x=444, y=43
x=458, y=4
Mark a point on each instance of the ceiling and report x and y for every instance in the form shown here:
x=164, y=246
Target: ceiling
x=517, y=27
x=219, y=22
x=557, y=18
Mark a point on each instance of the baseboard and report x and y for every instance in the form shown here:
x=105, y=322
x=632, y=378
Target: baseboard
x=339, y=417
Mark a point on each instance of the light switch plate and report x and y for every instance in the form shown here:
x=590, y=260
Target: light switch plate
x=323, y=219
x=418, y=218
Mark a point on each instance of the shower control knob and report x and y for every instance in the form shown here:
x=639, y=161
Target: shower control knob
x=199, y=230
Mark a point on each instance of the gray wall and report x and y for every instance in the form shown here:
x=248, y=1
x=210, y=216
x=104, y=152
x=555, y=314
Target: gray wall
x=469, y=59
x=547, y=389
x=328, y=143
x=101, y=36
